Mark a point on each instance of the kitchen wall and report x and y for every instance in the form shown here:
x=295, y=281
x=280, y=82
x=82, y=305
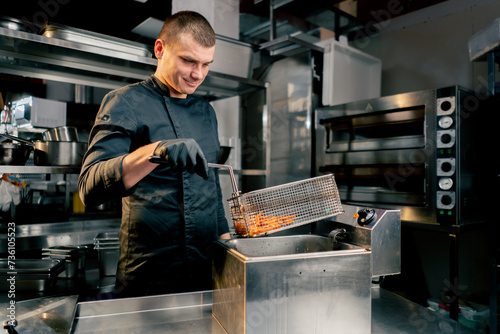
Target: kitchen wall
x=428, y=48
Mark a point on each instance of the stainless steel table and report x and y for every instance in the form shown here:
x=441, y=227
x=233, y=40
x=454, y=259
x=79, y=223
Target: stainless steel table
x=192, y=313
x=392, y=313
x=38, y=236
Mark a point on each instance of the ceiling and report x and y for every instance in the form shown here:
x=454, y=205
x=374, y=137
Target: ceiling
x=119, y=17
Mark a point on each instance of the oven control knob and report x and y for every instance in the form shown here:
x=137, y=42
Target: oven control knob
x=446, y=106
x=446, y=138
x=446, y=167
x=446, y=200
x=366, y=216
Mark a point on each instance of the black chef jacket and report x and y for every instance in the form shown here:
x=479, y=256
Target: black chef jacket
x=169, y=219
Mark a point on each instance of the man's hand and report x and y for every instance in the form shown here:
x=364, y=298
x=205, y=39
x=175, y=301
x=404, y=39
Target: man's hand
x=183, y=154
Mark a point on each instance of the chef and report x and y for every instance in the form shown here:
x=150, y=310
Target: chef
x=172, y=212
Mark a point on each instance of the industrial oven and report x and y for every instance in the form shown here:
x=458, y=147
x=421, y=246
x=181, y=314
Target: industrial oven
x=421, y=152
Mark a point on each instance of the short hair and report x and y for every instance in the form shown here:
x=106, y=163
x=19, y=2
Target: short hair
x=189, y=22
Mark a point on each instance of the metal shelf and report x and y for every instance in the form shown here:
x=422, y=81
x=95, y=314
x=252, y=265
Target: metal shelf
x=76, y=170
x=39, y=170
x=42, y=57
x=290, y=45
x=318, y=13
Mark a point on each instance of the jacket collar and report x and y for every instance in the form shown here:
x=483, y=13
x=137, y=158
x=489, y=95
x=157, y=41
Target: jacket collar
x=158, y=86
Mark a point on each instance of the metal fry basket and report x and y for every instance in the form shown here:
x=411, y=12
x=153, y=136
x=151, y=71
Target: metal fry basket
x=277, y=208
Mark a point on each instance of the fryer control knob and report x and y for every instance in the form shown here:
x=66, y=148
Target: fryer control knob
x=366, y=216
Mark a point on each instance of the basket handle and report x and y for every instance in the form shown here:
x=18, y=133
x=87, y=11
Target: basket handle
x=159, y=160
x=233, y=180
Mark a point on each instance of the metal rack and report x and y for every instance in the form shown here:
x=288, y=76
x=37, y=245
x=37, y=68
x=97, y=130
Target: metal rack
x=317, y=12
x=485, y=46
x=42, y=57
x=39, y=170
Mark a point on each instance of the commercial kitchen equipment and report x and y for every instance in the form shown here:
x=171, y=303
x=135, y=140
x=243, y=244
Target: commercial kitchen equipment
x=349, y=74
x=192, y=312
x=416, y=151
x=49, y=315
x=55, y=152
x=309, y=283
x=426, y=153
x=14, y=154
x=45, y=235
x=29, y=274
x=107, y=245
x=269, y=210
x=73, y=257
x=273, y=209
x=61, y=133
x=34, y=112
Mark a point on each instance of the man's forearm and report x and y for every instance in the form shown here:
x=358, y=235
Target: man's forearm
x=136, y=166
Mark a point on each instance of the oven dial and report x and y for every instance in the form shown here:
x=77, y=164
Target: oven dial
x=445, y=105
x=445, y=122
x=445, y=138
x=445, y=183
x=445, y=167
x=445, y=200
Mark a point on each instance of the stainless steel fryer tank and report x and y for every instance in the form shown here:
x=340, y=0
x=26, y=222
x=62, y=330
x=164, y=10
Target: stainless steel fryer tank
x=291, y=284
x=307, y=283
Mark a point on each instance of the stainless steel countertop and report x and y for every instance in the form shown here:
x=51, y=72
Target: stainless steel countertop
x=192, y=313
x=41, y=315
x=38, y=236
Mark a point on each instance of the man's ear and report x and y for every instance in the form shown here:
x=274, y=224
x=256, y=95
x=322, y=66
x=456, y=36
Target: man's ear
x=159, y=48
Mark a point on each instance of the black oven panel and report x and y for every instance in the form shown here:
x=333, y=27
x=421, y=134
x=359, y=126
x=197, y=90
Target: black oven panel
x=413, y=151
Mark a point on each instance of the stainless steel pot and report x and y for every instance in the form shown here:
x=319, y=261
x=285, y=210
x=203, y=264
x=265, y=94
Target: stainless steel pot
x=59, y=153
x=14, y=154
x=55, y=153
x=61, y=133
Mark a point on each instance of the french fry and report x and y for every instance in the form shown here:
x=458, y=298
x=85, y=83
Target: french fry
x=261, y=224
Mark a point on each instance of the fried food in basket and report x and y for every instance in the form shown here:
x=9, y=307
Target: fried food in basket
x=259, y=224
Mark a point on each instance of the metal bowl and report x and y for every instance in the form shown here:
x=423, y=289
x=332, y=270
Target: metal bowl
x=14, y=154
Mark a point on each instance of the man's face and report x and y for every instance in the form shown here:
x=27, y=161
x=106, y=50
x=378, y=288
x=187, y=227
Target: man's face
x=184, y=66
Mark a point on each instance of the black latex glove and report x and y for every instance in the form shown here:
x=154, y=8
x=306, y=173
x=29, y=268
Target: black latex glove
x=183, y=154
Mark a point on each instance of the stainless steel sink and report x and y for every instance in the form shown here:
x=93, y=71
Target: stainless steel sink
x=286, y=245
